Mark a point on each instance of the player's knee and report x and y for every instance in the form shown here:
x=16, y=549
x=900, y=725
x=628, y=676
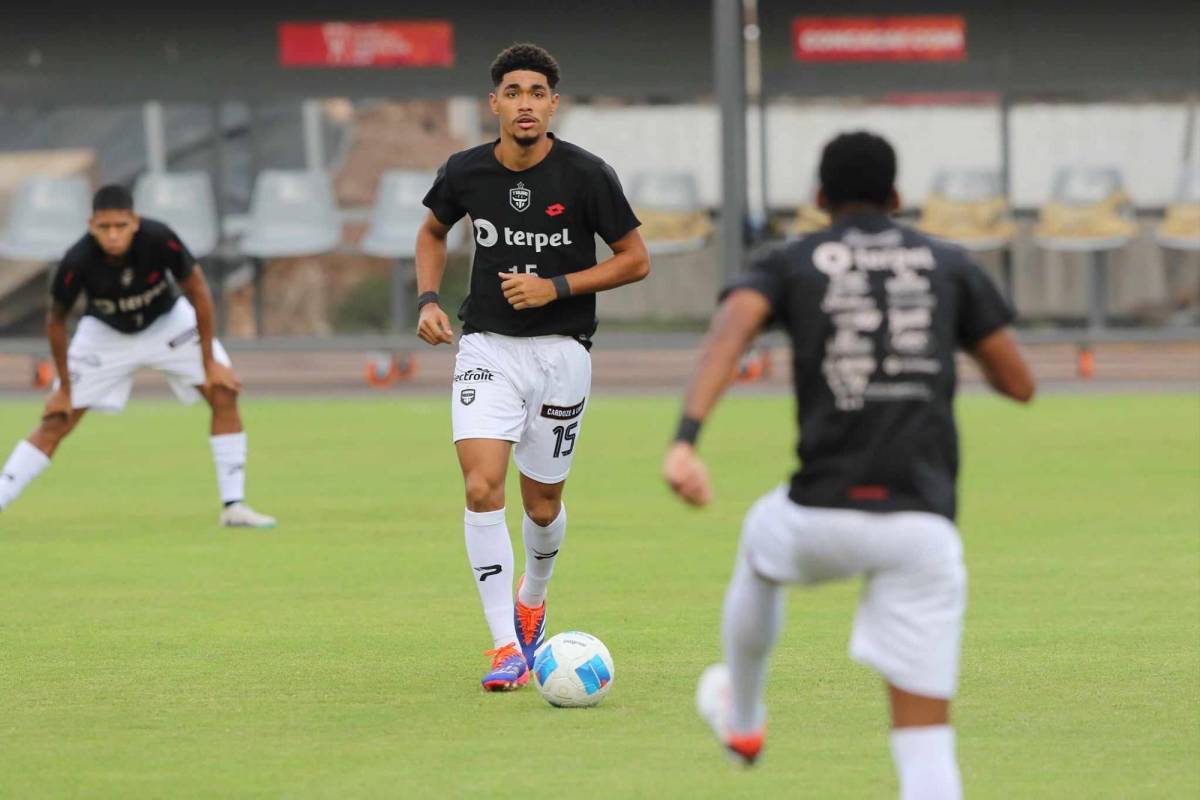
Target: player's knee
x=54, y=428
x=484, y=492
x=222, y=398
x=542, y=512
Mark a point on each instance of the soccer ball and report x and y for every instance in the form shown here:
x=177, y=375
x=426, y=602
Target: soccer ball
x=573, y=670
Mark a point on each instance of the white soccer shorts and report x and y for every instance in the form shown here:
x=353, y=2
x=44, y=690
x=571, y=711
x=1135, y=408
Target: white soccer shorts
x=102, y=360
x=529, y=390
x=910, y=614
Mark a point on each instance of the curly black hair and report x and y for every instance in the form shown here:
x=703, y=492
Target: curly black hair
x=525, y=56
x=858, y=167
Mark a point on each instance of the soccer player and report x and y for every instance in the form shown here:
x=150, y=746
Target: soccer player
x=875, y=312
x=134, y=271
x=523, y=373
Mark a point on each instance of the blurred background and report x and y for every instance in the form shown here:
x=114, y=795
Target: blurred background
x=290, y=145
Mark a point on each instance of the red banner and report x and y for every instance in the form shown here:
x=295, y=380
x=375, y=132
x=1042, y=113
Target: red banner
x=366, y=44
x=935, y=38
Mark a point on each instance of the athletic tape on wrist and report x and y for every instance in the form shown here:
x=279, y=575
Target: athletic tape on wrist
x=561, y=287
x=688, y=430
x=425, y=299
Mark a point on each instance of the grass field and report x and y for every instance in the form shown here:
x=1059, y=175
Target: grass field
x=146, y=653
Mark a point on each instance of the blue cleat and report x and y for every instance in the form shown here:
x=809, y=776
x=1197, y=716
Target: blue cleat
x=530, y=624
x=509, y=670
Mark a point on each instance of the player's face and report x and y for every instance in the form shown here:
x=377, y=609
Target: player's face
x=524, y=103
x=113, y=230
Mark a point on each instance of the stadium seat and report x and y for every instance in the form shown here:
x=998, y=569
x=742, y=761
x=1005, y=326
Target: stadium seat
x=1088, y=211
x=808, y=219
x=668, y=204
x=48, y=215
x=183, y=200
x=1180, y=230
x=292, y=213
x=397, y=214
x=968, y=207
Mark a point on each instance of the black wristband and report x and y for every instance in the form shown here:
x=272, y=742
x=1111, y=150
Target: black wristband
x=425, y=299
x=688, y=430
x=561, y=287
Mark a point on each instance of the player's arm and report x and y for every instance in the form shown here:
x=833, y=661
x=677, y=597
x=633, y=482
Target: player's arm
x=738, y=321
x=433, y=326
x=195, y=289
x=629, y=263
x=1003, y=366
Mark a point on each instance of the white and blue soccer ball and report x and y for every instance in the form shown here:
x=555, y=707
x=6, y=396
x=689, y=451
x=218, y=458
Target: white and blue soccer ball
x=573, y=670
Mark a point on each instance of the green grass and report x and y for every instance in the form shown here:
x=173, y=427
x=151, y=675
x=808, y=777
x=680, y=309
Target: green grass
x=146, y=653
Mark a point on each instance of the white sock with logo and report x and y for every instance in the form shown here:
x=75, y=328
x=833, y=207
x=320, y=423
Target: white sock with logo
x=541, y=551
x=229, y=456
x=750, y=624
x=490, y=552
x=25, y=464
x=925, y=760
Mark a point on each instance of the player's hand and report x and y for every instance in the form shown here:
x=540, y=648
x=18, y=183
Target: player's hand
x=222, y=377
x=433, y=326
x=686, y=474
x=527, y=291
x=59, y=402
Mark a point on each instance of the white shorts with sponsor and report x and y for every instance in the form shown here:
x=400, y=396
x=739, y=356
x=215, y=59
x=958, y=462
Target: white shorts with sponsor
x=102, y=360
x=528, y=390
x=909, y=621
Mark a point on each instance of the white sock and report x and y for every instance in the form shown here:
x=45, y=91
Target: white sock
x=491, y=555
x=925, y=760
x=541, y=551
x=25, y=464
x=750, y=623
x=229, y=456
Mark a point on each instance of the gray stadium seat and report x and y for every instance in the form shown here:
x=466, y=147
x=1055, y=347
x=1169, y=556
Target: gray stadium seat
x=184, y=201
x=1180, y=230
x=48, y=215
x=668, y=204
x=397, y=214
x=1088, y=211
x=292, y=213
x=968, y=207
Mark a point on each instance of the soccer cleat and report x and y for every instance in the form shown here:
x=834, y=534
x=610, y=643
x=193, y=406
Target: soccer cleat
x=509, y=670
x=240, y=515
x=530, y=624
x=713, y=703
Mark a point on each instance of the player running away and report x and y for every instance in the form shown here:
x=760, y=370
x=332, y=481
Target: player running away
x=523, y=374
x=875, y=312
x=148, y=305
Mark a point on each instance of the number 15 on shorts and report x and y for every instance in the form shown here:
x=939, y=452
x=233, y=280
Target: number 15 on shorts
x=564, y=435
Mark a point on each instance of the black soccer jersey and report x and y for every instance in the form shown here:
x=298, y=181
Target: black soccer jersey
x=542, y=220
x=875, y=312
x=127, y=294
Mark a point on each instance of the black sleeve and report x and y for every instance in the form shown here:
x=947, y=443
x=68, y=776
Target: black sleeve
x=180, y=261
x=66, y=284
x=767, y=275
x=982, y=310
x=441, y=199
x=608, y=209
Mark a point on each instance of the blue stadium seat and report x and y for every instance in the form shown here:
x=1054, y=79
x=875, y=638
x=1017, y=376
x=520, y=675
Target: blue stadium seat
x=292, y=213
x=184, y=201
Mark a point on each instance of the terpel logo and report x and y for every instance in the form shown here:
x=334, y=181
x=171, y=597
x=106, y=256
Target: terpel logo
x=555, y=210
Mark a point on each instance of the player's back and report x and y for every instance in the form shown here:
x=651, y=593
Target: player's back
x=875, y=312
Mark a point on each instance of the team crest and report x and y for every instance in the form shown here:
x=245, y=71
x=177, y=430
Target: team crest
x=127, y=277
x=467, y=396
x=519, y=197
